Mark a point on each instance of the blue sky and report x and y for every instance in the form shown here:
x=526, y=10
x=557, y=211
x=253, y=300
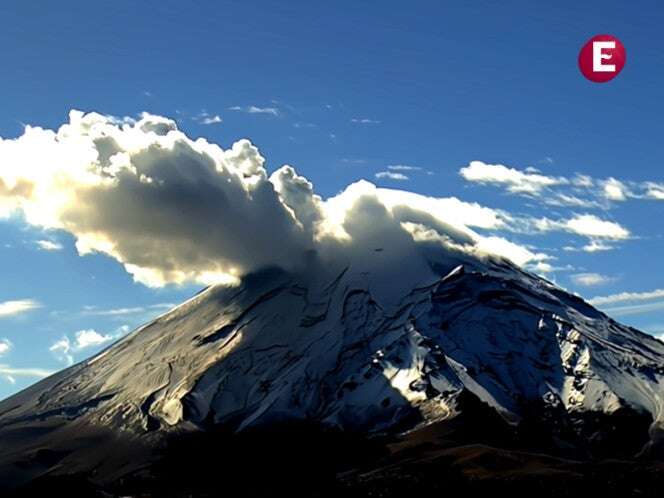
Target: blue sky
x=342, y=91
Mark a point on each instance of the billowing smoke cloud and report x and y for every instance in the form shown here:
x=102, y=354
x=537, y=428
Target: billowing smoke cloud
x=172, y=209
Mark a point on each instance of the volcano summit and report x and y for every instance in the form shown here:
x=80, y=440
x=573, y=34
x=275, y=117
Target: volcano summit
x=463, y=353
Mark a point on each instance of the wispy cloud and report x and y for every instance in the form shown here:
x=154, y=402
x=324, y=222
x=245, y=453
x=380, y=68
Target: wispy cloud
x=61, y=350
x=630, y=303
x=403, y=167
x=252, y=109
x=615, y=190
x=591, y=279
x=400, y=172
x=624, y=297
x=592, y=246
x=5, y=346
x=634, y=309
x=304, y=125
x=587, y=225
x=577, y=191
x=350, y=160
x=17, y=307
x=596, y=229
x=121, y=312
x=364, y=121
x=514, y=180
x=65, y=348
x=10, y=373
x=49, y=245
x=654, y=191
x=205, y=118
x=391, y=175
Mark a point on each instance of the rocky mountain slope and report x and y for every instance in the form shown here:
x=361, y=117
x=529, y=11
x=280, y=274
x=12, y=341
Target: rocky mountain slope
x=350, y=349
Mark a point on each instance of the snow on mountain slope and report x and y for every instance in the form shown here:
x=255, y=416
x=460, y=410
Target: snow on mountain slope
x=344, y=349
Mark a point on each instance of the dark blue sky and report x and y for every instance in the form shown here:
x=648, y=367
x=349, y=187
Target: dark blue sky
x=346, y=89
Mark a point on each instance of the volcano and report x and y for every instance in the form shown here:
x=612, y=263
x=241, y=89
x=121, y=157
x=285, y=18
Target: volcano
x=452, y=373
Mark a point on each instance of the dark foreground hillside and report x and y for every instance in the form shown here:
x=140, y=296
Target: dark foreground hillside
x=485, y=459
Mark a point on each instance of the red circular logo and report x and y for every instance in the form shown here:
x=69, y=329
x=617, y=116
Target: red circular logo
x=602, y=58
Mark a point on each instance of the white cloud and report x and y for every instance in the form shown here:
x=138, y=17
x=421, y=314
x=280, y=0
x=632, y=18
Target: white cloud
x=212, y=119
x=5, y=346
x=172, y=210
x=597, y=246
x=252, y=109
x=578, y=191
x=399, y=172
x=94, y=311
x=403, y=167
x=630, y=303
x=583, y=225
x=591, y=226
x=347, y=160
x=518, y=254
x=122, y=312
x=64, y=349
x=634, y=309
x=583, y=181
x=168, y=208
x=615, y=190
x=592, y=246
x=591, y=279
x=514, y=180
x=61, y=349
x=391, y=175
x=450, y=210
x=628, y=297
x=207, y=119
x=654, y=191
x=11, y=308
x=90, y=338
x=364, y=121
x=49, y=245
x=570, y=200
x=10, y=373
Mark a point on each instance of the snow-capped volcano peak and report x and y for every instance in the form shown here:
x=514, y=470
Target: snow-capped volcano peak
x=340, y=347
